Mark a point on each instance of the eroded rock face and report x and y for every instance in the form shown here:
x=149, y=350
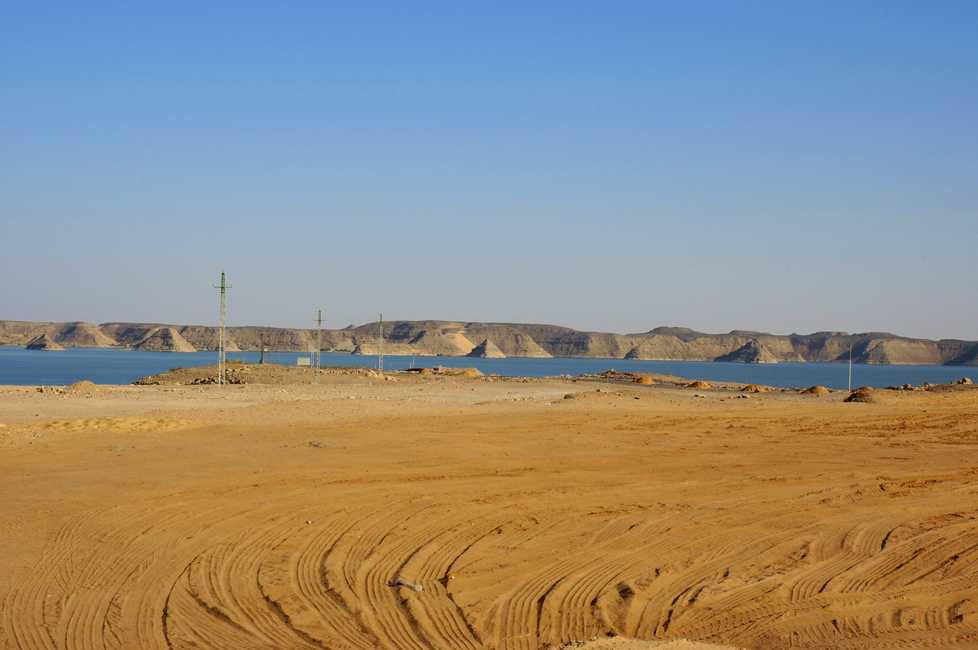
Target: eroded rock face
x=451, y=338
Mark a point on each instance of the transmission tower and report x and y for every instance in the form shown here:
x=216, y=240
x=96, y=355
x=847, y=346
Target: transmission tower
x=380, y=347
x=220, y=348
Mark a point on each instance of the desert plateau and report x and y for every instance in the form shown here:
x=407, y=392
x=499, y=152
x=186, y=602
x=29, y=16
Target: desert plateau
x=428, y=510
x=431, y=338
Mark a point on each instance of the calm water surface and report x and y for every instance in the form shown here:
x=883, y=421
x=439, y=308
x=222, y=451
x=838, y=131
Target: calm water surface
x=109, y=366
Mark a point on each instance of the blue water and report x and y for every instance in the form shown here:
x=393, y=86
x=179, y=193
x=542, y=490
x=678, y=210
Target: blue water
x=109, y=366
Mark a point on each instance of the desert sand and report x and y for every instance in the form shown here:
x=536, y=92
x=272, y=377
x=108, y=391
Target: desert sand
x=592, y=513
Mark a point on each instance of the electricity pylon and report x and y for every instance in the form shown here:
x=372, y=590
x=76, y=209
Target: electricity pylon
x=220, y=347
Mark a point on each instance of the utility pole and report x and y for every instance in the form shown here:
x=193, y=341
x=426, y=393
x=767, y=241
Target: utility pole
x=319, y=341
x=850, y=366
x=221, y=381
x=380, y=347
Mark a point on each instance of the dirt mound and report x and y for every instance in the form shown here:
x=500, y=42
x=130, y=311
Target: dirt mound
x=699, y=385
x=753, y=388
x=460, y=372
x=864, y=394
x=87, y=387
x=817, y=390
x=648, y=381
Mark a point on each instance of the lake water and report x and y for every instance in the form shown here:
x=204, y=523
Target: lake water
x=110, y=366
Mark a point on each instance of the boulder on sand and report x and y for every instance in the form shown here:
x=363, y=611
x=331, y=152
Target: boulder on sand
x=44, y=342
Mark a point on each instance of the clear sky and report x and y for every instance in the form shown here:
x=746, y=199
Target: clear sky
x=611, y=166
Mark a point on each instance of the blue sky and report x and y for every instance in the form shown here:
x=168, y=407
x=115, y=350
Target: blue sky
x=786, y=167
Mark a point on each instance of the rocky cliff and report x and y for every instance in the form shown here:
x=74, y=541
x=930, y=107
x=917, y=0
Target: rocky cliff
x=447, y=338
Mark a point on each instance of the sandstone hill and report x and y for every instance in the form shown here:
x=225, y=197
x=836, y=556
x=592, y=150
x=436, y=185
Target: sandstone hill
x=164, y=339
x=487, y=350
x=455, y=338
x=44, y=342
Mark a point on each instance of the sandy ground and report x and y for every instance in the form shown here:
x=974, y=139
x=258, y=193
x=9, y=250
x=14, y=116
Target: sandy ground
x=274, y=516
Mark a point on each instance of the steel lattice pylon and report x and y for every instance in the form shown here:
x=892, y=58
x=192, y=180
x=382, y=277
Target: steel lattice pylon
x=221, y=379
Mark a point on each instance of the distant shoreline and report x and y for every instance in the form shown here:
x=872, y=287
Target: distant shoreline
x=504, y=340
x=117, y=366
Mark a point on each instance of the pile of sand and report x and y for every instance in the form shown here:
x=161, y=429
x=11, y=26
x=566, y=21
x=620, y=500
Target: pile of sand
x=817, y=390
x=753, y=388
x=86, y=387
x=699, y=385
x=648, y=381
x=864, y=394
x=462, y=372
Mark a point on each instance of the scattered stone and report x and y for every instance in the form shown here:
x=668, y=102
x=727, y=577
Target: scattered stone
x=398, y=582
